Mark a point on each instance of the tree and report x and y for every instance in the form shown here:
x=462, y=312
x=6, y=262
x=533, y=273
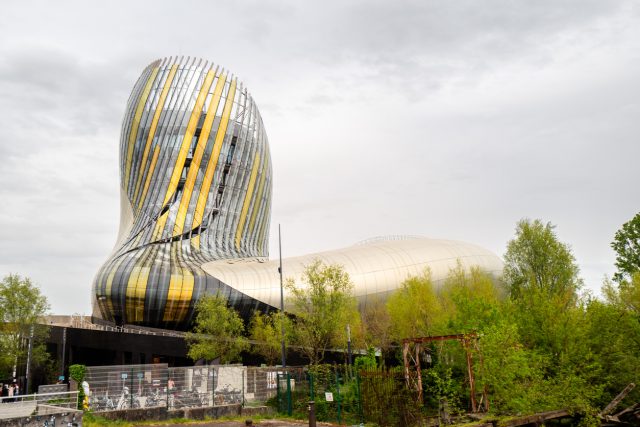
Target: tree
x=472, y=299
x=265, y=330
x=536, y=261
x=323, y=306
x=217, y=332
x=626, y=243
x=376, y=326
x=22, y=308
x=613, y=335
x=415, y=309
x=541, y=275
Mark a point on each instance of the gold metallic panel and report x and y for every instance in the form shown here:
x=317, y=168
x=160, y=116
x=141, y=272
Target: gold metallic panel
x=179, y=295
x=147, y=181
x=256, y=207
x=136, y=124
x=136, y=291
x=213, y=160
x=188, y=136
x=152, y=129
x=197, y=156
x=247, y=200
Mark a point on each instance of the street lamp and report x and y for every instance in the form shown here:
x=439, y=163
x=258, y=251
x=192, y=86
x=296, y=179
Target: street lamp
x=284, y=358
x=349, y=342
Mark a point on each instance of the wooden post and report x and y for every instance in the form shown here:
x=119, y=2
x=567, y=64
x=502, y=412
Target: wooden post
x=405, y=357
x=419, y=373
x=472, y=381
x=615, y=402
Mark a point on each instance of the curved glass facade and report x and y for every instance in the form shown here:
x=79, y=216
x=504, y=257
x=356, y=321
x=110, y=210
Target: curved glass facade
x=195, y=175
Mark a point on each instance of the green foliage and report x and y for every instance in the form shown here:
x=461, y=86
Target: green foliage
x=376, y=326
x=265, y=330
x=366, y=362
x=323, y=307
x=509, y=370
x=626, y=243
x=472, y=299
x=613, y=326
x=440, y=386
x=22, y=306
x=77, y=372
x=217, y=332
x=415, y=309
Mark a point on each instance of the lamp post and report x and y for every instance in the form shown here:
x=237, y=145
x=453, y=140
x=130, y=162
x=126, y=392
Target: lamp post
x=28, y=370
x=284, y=358
x=349, y=342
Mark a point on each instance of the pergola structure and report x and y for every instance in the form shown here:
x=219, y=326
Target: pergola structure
x=412, y=349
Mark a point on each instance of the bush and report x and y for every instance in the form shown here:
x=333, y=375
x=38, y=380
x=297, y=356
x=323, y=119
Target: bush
x=77, y=373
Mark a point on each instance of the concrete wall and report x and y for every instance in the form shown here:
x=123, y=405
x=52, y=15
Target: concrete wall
x=61, y=416
x=162, y=414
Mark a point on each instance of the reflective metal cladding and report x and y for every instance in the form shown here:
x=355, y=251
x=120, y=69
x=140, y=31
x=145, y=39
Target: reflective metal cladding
x=195, y=180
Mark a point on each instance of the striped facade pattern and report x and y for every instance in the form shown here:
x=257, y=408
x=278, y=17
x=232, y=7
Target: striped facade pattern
x=195, y=174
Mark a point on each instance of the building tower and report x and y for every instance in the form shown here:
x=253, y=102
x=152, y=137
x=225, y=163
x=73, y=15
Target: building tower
x=195, y=181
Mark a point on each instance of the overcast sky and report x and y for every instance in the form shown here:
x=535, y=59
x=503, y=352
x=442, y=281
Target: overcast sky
x=447, y=119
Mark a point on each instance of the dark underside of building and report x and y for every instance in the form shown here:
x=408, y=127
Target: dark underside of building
x=114, y=347
x=78, y=341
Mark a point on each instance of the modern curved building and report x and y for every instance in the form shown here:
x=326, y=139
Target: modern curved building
x=195, y=181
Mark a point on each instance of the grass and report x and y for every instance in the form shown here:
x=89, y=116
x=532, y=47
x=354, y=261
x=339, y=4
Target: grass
x=93, y=420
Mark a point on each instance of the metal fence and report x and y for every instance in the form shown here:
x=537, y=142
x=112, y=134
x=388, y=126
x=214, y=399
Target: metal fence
x=127, y=386
x=261, y=384
x=190, y=387
x=334, y=389
x=345, y=396
x=157, y=385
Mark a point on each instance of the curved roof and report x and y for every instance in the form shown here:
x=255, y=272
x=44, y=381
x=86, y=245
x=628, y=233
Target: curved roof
x=377, y=267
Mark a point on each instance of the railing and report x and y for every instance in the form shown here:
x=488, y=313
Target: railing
x=84, y=322
x=33, y=404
